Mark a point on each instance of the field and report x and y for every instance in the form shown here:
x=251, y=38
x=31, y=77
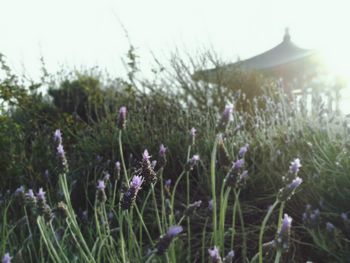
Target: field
x=169, y=170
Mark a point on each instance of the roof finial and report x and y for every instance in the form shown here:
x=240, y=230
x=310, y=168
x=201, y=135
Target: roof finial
x=286, y=35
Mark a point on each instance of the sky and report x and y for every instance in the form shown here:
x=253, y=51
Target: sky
x=87, y=33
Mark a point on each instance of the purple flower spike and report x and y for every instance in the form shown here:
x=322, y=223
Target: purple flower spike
x=227, y=112
x=243, y=151
x=41, y=194
x=165, y=240
x=101, y=185
x=286, y=224
x=30, y=194
x=295, y=166
x=168, y=183
x=238, y=164
x=117, y=166
x=60, y=151
x=146, y=155
x=173, y=231
x=282, y=239
x=193, y=134
x=57, y=137
x=295, y=183
x=229, y=257
x=136, y=182
x=19, y=190
x=122, y=117
x=330, y=227
x=162, y=150
x=214, y=255
x=6, y=258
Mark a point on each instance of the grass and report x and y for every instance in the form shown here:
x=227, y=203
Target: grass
x=244, y=215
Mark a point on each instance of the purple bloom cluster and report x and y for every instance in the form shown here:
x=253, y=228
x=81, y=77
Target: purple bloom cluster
x=193, y=135
x=237, y=176
x=225, y=118
x=214, y=255
x=192, y=162
x=311, y=217
x=129, y=196
x=122, y=118
x=295, y=166
x=146, y=170
x=6, y=258
x=100, y=193
x=165, y=241
x=162, y=156
x=283, y=235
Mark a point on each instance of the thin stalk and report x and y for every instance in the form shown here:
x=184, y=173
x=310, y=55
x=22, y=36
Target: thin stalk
x=278, y=256
x=156, y=210
x=203, y=239
x=172, y=219
x=244, y=240
x=262, y=229
x=213, y=188
x=280, y=215
x=122, y=237
x=122, y=157
x=163, y=199
x=234, y=220
x=187, y=204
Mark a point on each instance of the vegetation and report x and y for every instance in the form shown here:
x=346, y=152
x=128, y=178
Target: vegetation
x=261, y=182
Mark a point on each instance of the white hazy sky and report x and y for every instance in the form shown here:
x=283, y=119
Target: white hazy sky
x=87, y=32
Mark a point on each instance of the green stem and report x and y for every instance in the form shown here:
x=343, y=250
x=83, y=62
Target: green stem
x=262, y=229
x=156, y=210
x=244, y=240
x=278, y=256
x=280, y=215
x=213, y=188
x=234, y=221
x=187, y=204
x=122, y=157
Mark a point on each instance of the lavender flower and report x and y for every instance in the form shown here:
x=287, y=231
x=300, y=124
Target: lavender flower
x=162, y=156
x=100, y=193
x=168, y=183
x=106, y=177
x=214, y=255
x=147, y=171
x=122, y=118
x=192, y=162
x=210, y=205
x=330, y=227
x=101, y=185
x=117, y=166
x=286, y=192
x=238, y=164
x=41, y=195
x=60, y=151
x=20, y=191
x=43, y=208
x=193, y=134
x=6, y=258
x=224, y=157
x=57, y=137
x=165, y=241
x=283, y=235
x=295, y=166
x=229, y=257
x=243, y=151
x=225, y=118
x=130, y=195
x=30, y=197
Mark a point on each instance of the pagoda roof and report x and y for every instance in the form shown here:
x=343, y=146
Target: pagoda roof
x=283, y=54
